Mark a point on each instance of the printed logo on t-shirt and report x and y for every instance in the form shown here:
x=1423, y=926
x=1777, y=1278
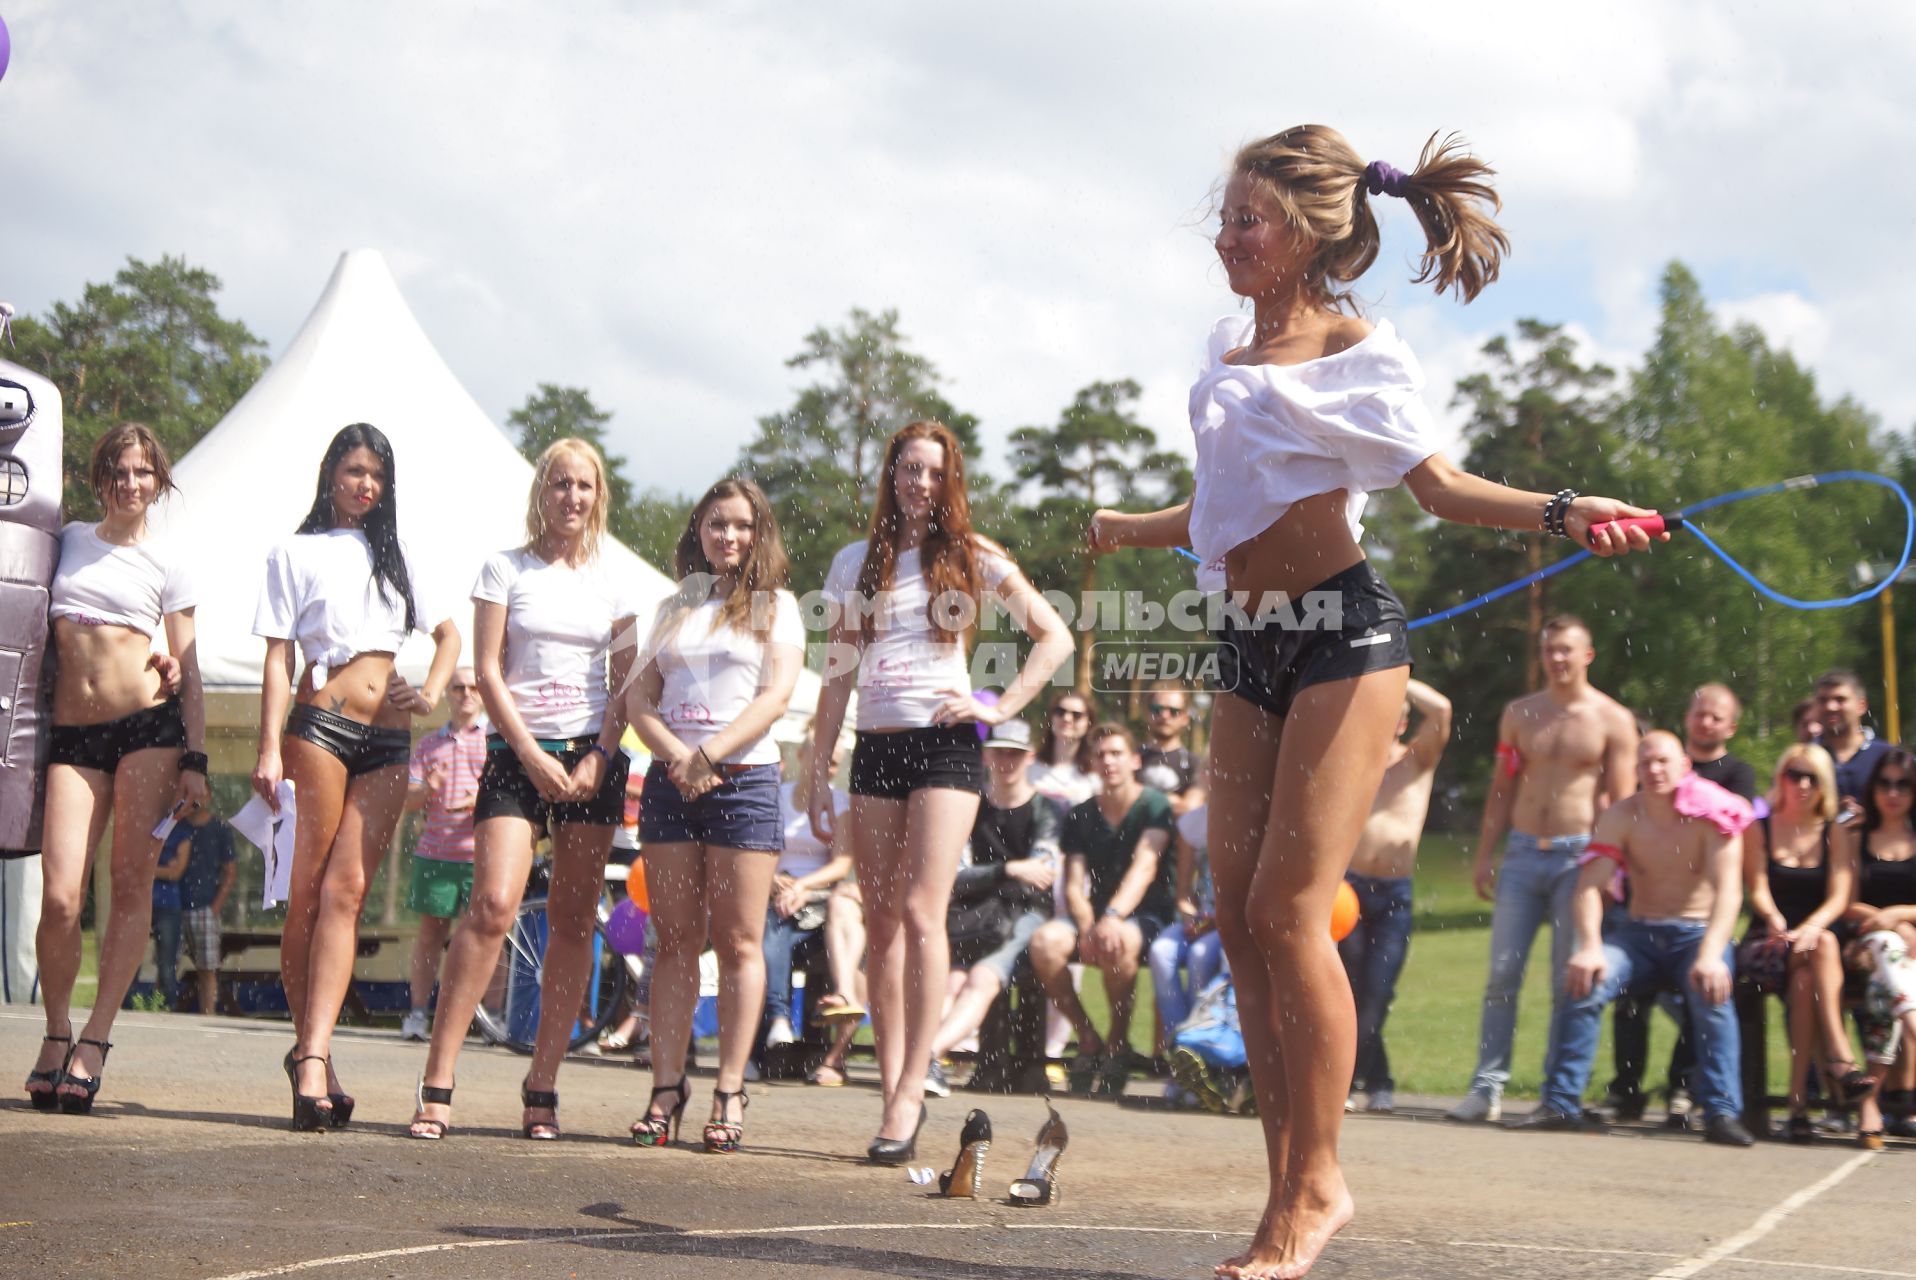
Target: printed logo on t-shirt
x=690, y=713
x=886, y=678
x=557, y=693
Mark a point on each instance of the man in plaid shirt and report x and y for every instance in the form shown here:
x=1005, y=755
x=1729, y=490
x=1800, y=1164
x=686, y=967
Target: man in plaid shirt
x=444, y=781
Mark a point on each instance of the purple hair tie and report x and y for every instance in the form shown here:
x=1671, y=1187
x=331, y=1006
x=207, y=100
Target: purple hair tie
x=1382, y=179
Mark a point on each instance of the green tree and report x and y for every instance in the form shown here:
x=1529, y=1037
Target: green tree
x=151, y=347
x=554, y=413
x=1098, y=455
x=657, y=518
x=818, y=460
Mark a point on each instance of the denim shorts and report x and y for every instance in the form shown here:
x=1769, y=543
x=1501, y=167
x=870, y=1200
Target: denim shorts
x=1003, y=958
x=1269, y=666
x=742, y=812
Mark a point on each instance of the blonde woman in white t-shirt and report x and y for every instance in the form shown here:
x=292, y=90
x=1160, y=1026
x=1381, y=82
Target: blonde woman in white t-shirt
x=719, y=670
x=123, y=747
x=1303, y=407
x=908, y=595
x=339, y=593
x=551, y=641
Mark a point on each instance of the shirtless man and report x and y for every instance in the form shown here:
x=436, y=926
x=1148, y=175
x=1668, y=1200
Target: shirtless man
x=1685, y=893
x=1563, y=755
x=1375, y=949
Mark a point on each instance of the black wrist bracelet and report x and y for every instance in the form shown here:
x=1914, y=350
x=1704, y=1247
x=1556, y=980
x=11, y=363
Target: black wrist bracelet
x=708, y=760
x=193, y=762
x=602, y=752
x=1555, y=510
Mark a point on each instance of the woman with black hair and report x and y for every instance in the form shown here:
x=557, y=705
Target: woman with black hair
x=1883, y=849
x=339, y=588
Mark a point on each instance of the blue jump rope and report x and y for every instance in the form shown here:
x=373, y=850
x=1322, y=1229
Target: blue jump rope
x=1682, y=520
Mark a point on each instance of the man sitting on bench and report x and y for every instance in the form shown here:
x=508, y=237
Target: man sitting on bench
x=1680, y=841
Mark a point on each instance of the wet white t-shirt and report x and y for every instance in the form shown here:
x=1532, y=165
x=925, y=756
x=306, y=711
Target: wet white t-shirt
x=907, y=668
x=559, y=633
x=710, y=677
x=320, y=593
x=1272, y=435
x=102, y=583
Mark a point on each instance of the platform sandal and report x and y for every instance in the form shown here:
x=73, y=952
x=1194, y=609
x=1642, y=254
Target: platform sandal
x=543, y=1100
x=722, y=1136
x=79, y=1104
x=424, y=1093
x=654, y=1130
x=312, y=1113
x=48, y=1099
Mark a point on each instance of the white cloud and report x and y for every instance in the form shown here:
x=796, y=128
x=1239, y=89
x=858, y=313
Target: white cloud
x=657, y=201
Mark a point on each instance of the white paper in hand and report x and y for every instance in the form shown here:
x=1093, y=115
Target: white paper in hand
x=273, y=834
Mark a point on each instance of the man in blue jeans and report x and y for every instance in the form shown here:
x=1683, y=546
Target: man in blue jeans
x=1380, y=872
x=1564, y=754
x=1686, y=891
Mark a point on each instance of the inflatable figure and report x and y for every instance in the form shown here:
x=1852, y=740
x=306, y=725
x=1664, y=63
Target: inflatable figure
x=29, y=553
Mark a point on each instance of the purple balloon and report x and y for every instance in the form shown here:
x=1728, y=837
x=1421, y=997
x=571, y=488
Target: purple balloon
x=6, y=48
x=625, y=928
x=990, y=698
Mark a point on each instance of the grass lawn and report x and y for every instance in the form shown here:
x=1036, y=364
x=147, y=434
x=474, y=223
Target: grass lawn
x=1432, y=1033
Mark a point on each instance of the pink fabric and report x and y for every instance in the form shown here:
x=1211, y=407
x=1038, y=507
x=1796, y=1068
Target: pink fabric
x=1698, y=797
x=1607, y=852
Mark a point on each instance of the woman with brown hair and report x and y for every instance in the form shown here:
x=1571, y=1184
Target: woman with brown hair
x=1303, y=407
x=1799, y=882
x=548, y=618
x=339, y=593
x=123, y=747
x=908, y=596
x=719, y=671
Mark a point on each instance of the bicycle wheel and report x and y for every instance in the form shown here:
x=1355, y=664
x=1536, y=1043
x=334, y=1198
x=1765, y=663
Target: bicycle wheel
x=508, y=1012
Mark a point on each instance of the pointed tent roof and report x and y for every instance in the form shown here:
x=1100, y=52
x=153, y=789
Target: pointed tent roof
x=360, y=357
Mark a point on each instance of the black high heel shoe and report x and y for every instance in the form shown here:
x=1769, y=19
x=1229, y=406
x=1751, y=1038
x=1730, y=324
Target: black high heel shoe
x=896, y=1150
x=967, y=1174
x=722, y=1136
x=655, y=1131
x=342, y=1102
x=1041, y=1184
x=48, y=1099
x=312, y=1113
x=424, y=1093
x=544, y=1100
x=79, y=1104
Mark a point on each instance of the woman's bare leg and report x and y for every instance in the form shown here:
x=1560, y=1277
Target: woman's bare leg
x=572, y=910
x=501, y=860
x=675, y=879
x=940, y=820
x=968, y=1010
x=878, y=843
x=738, y=891
x=1330, y=763
x=371, y=810
x=319, y=779
x=1244, y=746
x=1803, y=1018
x=78, y=802
x=144, y=788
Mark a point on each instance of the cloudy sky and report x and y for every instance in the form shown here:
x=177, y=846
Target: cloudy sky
x=657, y=201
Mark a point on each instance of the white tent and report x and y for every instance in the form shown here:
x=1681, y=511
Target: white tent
x=360, y=357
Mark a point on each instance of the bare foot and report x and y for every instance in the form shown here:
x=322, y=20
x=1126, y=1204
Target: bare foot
x=1292, y=1235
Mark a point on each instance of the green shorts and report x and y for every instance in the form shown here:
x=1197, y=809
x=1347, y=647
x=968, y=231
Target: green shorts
x=440, y=887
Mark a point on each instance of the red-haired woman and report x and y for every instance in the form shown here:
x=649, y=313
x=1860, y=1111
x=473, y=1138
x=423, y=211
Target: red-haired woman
x=721, y=664
x=908, y=596
x=123, y=748
x=1303, y=407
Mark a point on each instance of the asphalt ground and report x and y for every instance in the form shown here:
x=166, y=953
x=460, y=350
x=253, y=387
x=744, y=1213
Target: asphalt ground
x=186, y=1168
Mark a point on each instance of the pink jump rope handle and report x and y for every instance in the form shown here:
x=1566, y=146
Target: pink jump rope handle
x=1652, y=525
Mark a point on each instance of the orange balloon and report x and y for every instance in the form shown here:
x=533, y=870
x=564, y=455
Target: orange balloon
x=635, y=887
x=1343, y=912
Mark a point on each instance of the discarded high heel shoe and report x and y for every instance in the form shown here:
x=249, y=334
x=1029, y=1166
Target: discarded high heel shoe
x=967, y=1174
x=1041, y=1184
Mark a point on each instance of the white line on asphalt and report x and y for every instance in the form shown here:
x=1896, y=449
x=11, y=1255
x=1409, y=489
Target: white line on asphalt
x=1769, y=1222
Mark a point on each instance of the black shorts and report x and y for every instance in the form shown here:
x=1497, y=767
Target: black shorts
x=362, y=748
x=506, y=791
x=1269, y=666
x=893, y=765
x=103, y=746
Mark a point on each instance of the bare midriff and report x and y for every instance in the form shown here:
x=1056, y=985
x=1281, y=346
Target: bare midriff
x=355, y=689
x=1563, y=750
x=1306, y=545
x=102, y=672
